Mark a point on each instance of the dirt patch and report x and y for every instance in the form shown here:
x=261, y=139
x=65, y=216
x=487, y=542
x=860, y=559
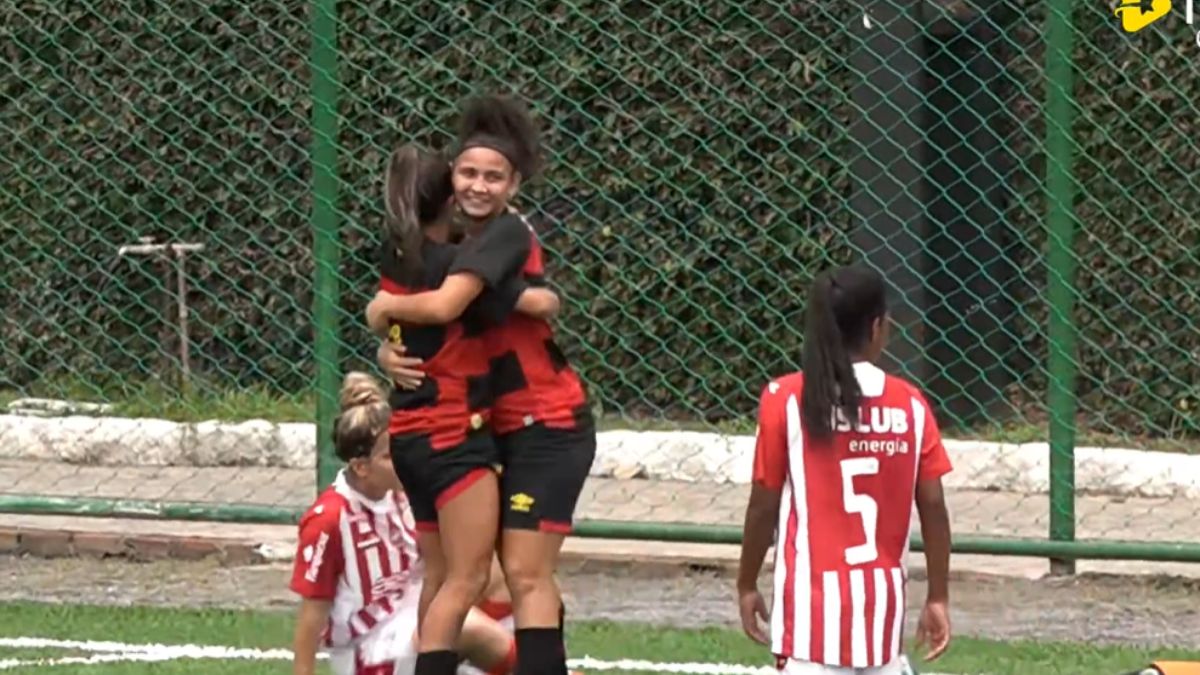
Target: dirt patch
x=1158, y=611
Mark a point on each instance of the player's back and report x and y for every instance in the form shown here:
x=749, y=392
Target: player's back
x=845, y=515
x=456, y=385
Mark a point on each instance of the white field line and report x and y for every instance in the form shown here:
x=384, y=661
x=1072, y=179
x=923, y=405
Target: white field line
x=118, y=657
x=111, y=652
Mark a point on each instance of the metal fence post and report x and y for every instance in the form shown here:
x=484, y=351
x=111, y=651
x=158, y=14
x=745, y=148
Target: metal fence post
x=1060, y=284
x=323, y=61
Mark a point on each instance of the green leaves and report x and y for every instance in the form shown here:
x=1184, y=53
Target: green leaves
x=696, y=178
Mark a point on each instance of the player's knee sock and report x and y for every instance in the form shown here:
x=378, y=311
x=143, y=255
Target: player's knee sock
x=540, y=652
x=442, y=662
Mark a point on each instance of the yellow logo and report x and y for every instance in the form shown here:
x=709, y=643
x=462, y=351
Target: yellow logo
x=520, y=502
x=1134, y=15
x=394, y=334
x=476, y=421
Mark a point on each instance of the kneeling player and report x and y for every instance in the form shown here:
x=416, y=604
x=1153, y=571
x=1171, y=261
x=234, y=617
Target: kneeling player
x=357, y=567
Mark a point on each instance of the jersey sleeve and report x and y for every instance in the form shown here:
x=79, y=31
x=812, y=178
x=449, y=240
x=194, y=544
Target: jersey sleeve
x=319, y=563
x=770, y=449
x=496, y=304
x=496, y=254
x=933, y=462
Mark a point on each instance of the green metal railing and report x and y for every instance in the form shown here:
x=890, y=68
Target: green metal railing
x=1021, y=172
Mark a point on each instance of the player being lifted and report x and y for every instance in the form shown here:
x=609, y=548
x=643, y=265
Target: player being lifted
x=357, y=567
x=842, y=449
x=541, y=417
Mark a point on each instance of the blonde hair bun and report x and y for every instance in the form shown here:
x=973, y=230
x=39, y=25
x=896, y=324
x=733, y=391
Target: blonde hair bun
x=359, y=389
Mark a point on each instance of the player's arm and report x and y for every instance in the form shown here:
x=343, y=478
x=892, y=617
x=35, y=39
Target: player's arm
x=402, y=370
x=485, y=262
x=762, y=510
x=517, y=295
x=934, y=624
x=935, y=533
x=310, y=622
x=318, y=566
x=436, y=307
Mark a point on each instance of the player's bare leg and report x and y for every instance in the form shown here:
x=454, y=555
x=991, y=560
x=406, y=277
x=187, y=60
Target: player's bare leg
x=529, y=559
x=467, y=538
x=487, y=645
x=430, y=546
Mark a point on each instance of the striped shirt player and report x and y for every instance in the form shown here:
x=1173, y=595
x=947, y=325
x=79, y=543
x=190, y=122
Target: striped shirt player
x=837, y=486
x=361, y=554
x=845, y=517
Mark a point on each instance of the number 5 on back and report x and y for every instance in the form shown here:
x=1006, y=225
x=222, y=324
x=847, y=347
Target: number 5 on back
x=863, y=505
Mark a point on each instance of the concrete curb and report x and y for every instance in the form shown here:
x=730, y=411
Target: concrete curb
x=239, y=545
x=56, y=543
x=687, y=456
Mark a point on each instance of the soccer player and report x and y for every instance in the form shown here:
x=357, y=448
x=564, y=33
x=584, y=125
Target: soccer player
x=541, y=415
x=442, y=450
x=357, y=566
x=842, y=449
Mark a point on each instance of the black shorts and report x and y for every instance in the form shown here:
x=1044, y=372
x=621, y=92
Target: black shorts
x=433, y=477
x=544, y=472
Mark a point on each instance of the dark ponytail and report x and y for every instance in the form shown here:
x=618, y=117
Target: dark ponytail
x=842, y=307
x=416, y=186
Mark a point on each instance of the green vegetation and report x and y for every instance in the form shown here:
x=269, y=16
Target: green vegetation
x=600, y=640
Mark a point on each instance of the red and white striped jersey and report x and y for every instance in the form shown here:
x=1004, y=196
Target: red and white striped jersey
x=844, y=517
x=362, y=555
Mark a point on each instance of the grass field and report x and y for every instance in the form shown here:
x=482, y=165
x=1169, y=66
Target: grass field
x=723, y=652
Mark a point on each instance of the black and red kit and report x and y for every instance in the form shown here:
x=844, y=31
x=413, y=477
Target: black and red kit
x=440, y=440
x=541, y=416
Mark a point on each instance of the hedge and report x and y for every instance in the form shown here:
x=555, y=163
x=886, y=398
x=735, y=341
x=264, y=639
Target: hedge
x=697, y=177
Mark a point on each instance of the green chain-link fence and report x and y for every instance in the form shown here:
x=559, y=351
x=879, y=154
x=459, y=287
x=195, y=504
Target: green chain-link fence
x=1024, y=176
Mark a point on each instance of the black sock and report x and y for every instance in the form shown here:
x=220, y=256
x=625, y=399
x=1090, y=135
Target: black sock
x=540, y=652
x=444, y=662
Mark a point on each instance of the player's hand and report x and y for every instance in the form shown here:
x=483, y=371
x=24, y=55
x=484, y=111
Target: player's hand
x=400, y=368
x=933, y=628
x=753, y=609
x=377, y=319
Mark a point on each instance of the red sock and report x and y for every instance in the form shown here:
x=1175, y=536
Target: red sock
x=508, y=663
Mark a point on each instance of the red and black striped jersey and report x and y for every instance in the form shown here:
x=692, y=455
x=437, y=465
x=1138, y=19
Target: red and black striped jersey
x=456, y=394
x=532, y=381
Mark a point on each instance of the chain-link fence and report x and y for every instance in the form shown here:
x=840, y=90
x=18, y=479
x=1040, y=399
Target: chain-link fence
x=178, y=178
